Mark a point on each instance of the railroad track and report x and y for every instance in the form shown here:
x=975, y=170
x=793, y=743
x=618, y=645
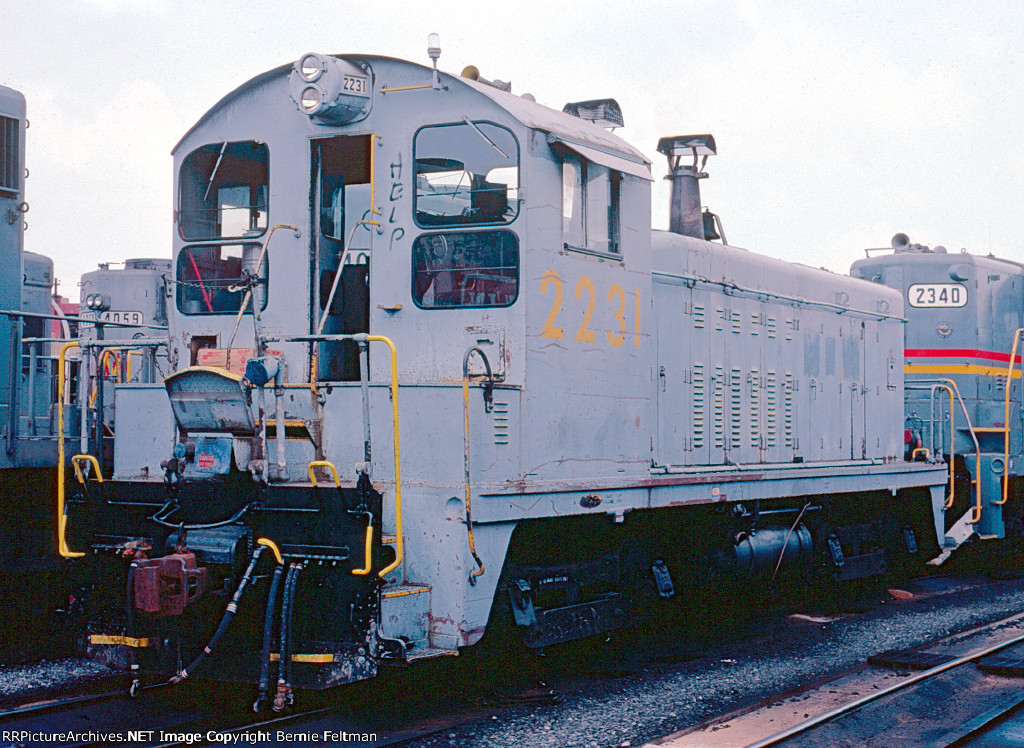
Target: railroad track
x=402, y=706
x=161, y=716
x=955, y=692
x=199, y=713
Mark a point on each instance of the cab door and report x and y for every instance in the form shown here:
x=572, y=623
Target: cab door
x=340, y=302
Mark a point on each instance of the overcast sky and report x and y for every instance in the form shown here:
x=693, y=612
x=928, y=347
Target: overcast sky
x=838, y=123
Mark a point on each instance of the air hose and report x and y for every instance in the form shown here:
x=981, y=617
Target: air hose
x=268, y=635
x=229, y=614
x=284, y=689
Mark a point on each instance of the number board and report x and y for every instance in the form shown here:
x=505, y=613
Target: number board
x=936, y=295
x=124, y=317
x=354, y=84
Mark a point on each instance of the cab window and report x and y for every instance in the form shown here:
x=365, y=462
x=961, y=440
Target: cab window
x=213, y=279
x=223, y=191
x=466, y=174
x=465, y=269
x=590, y=206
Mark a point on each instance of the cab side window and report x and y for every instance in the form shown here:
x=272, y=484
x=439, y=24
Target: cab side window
x=590, y=206
x=213, y=278
x=465, y=269
x=466, y=174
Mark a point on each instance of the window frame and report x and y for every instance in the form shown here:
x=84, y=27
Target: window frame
x=178, y=300
x=417, y=298
x=181, y=207
x=10, y=155
x=581, y=225
x=469, y=124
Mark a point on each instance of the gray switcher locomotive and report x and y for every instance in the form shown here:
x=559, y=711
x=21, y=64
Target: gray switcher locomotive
x=433, y=370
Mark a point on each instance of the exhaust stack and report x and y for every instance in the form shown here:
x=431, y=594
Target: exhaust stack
x=685, y=215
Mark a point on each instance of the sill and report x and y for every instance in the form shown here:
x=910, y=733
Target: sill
x=614, y=256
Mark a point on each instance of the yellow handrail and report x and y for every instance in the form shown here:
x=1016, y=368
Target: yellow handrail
x=373, y=176
x=323, y=463
x=273, y=547
x=103, y=362
x=368, y=555
x=406, y=88
x=952, y=446
x=117, y=360
x=62, y=520
x=977, y=455
x=469, y=506
x=1006, y=419
x=78, y=471
x=399, y=545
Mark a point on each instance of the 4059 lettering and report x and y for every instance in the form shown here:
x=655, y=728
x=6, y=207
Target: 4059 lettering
x=587, y=292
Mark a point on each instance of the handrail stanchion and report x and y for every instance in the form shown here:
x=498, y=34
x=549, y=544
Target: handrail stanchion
x=1006, y=419
x=62, y=520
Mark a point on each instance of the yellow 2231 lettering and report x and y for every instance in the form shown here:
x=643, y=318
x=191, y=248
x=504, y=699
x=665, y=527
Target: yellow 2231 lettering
x=585, y=334
x=550, y=331
x=585, y=287
x=616, y=338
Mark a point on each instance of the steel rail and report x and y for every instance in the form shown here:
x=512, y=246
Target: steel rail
x=807, y=725
x=41, y=707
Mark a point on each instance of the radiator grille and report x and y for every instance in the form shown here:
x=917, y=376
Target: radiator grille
x=10, y=168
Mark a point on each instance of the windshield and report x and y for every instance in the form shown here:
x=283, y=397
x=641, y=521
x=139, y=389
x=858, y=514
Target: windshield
x=223, y=191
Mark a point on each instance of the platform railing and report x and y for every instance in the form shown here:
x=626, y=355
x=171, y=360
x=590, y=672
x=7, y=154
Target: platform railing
x=102, y=346
x=363, y=340
x=949, y=386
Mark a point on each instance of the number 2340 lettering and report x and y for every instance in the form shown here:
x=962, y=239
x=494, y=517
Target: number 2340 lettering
x=552, y=282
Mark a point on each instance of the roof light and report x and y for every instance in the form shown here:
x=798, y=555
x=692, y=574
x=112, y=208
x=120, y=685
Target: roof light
x=605, y=113
x=434, y=47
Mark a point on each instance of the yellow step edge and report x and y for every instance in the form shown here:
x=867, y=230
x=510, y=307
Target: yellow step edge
x=406, y=590
x=317, y=658
x=128, y=641
x=288, y=423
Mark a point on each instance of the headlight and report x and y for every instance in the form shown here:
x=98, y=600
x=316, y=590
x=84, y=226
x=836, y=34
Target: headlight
x=311, y=99
x=97, y=302
x=312, y=66
x=331, y=90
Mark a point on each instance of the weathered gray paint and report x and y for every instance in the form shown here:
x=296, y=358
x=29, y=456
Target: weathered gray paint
x=578, y=411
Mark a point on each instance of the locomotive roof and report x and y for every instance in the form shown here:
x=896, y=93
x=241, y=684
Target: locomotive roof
x=739, y=269
x=529, y=113
x=940, y=257
x=11, y=102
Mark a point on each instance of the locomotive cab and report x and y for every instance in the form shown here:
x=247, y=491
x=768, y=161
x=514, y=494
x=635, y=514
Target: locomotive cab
x=356, y=236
